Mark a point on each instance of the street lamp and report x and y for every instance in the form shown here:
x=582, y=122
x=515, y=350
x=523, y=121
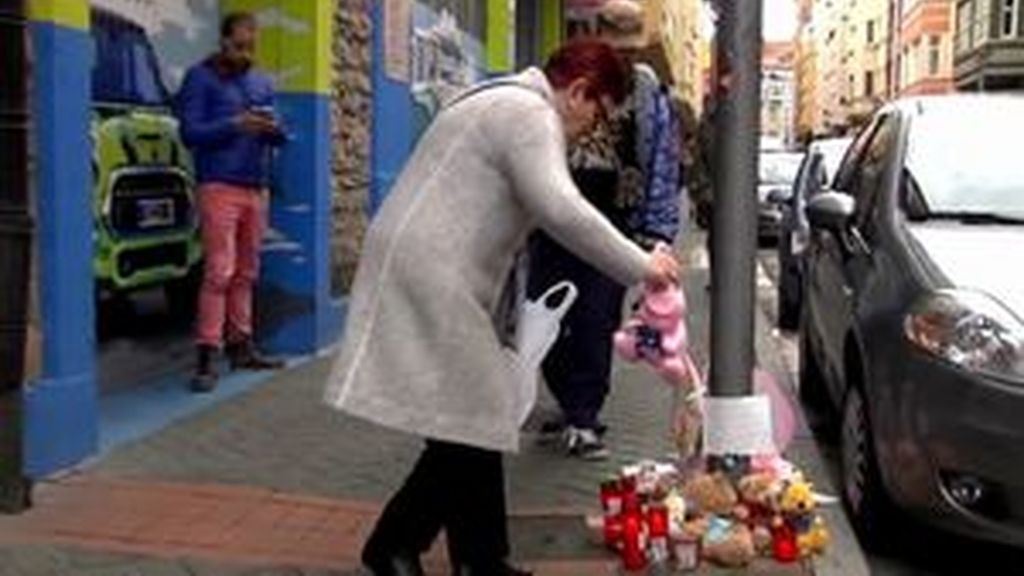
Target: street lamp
x=734, y=222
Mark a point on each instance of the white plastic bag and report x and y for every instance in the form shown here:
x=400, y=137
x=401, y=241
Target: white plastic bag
x=536, y=332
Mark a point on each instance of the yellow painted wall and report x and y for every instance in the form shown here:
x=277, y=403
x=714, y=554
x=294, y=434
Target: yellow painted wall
x=69, y=13
x=295, y=41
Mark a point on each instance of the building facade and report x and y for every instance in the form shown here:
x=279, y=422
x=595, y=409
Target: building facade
x=356, y=79
x=664, y=33
x=868, y=57
x=989, y=45
x=925, y=57
x=830, y=36
x=852, y=46
x=778, y=93
x=806, y=69
x=682, y=38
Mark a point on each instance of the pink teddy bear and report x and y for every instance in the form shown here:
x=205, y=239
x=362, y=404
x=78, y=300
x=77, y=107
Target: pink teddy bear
x=657, y=334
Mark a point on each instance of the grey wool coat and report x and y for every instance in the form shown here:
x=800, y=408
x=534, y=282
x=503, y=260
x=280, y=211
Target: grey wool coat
x=421, y=352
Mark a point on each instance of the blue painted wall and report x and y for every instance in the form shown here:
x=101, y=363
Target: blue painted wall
x=392, y=119
x=298, y=314
x=61, y=406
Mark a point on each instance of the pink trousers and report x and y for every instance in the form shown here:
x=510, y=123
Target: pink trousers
x=232, y=221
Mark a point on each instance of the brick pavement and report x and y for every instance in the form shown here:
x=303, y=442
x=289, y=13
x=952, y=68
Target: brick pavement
x=234, y=525
x=145, y=508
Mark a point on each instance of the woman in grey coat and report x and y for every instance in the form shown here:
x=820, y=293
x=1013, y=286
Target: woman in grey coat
x=422, y=353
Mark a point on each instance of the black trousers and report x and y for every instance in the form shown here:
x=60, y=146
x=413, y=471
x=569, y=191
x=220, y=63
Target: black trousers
x=456, y=487
x=578, y=367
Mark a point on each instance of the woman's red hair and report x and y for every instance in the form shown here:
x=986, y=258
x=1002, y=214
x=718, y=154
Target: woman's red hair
x=597, y=62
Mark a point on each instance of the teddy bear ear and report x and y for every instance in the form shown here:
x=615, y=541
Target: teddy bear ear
x=824, y=499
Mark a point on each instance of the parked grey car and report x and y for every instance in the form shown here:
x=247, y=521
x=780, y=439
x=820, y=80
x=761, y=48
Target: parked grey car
x=913, y=319
x=776, y=174
x=818, y=166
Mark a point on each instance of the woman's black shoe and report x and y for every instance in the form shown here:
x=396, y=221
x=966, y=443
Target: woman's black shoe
x=396, y=565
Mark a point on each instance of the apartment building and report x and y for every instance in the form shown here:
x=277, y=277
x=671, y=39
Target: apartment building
x=924, y=61
x=664, y=33
x=806, y=71
x=778, y=92
x=989, y=45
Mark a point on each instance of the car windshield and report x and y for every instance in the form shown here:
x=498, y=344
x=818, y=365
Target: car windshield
x=965, y=162
x=832, y=152
x=779, y=168
x=125, y=68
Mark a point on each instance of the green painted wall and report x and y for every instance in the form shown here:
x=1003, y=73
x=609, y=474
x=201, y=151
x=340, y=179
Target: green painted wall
x=552, y=26
x=500, y=21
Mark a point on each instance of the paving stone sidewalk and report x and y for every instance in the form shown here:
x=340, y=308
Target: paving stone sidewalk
x=271, y=482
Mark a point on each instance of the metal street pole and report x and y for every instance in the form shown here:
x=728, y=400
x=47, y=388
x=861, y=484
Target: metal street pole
x=734, y=223
x=15, y=251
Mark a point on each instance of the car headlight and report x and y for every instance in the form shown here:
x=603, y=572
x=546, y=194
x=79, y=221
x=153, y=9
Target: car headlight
x=970, y=330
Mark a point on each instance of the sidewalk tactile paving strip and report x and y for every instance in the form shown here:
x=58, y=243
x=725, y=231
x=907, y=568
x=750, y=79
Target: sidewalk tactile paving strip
x=235, y=525
x=246, y=526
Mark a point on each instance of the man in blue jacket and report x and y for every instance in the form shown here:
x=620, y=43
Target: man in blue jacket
x=226, y=111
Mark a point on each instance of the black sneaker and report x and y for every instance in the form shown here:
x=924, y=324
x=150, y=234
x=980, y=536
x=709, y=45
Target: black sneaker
x=585, y=443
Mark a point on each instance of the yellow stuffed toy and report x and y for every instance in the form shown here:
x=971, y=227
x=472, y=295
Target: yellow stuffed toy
x=798, y=505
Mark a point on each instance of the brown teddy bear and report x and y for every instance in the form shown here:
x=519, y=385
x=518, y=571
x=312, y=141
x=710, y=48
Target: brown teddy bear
x=710, y=494
x=728, y=544
x=759, y=494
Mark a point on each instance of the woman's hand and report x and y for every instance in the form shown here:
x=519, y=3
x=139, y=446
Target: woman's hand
x=663, y=268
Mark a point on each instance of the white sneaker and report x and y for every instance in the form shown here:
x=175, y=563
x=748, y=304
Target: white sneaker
x=585, y=443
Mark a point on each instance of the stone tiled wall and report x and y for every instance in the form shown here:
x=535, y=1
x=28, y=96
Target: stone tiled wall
x=351, y=129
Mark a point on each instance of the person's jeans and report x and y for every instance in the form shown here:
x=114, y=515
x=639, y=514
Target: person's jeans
x=455, y=487
x=578, y=367
x=232, y=221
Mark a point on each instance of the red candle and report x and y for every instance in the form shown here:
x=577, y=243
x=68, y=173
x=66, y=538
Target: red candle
x=784, y=544
x=657, y=520
x=611, y=498
x=613, y=528
x=657, y=528
x=634, y=553
x=629, y=485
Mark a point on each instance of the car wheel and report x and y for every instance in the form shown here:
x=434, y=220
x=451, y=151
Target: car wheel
x=863, y=493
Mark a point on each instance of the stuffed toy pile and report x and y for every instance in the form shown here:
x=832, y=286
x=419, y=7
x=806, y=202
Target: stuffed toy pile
x=654, y=516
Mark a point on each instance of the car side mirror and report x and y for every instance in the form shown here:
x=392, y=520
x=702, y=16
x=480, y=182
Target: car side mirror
x=831, y=211
x=778, y=196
